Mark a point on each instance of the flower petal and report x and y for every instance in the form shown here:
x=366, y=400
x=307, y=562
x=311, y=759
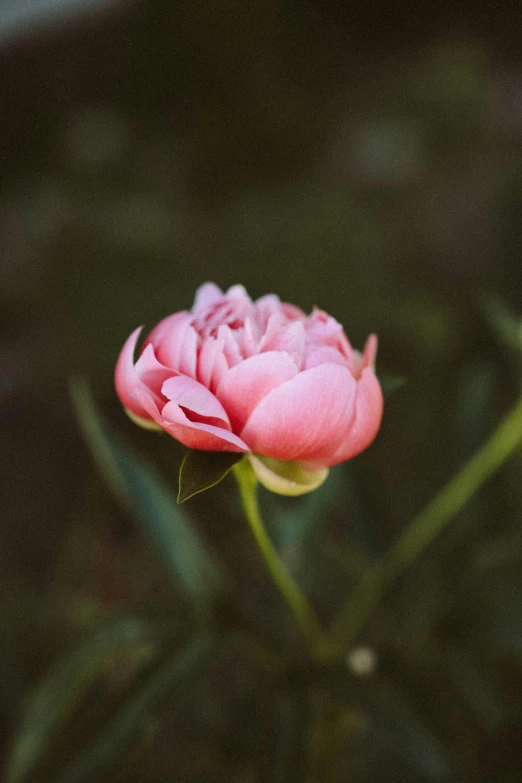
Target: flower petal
x=199, y=435
x=231, y=348
x=370, y=351
x=367, y=420
x=242, y=387
x=147, y=373
x=238, y=293
x=211, y=362
x=322, y=329
x=206, y=295
x=150, y=372
x=264, y=307
x=195, y=398
x=305, y=417
x=323, y=354
x=175, y=343
x=164, y=327
x=124, y=374
x=193, y=434
x=288, y=337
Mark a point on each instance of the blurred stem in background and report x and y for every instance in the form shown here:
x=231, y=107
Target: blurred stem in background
x=376, y=580
x=301, y=609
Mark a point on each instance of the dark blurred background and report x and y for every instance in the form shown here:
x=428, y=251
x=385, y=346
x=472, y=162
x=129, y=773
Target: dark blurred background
x=363, y=158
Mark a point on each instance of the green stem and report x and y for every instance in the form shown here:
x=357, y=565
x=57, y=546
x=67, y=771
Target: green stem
x=295, y=599
x=374, y=583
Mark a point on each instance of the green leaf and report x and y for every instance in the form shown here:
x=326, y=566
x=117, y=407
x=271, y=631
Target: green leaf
x=140, y=490
x=60, y=692
x=201, y=470
x=507, y=326
x=164, y=681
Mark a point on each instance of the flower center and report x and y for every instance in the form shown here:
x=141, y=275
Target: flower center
x=229, y=313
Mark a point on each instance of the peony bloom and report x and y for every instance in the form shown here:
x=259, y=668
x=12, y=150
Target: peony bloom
x=256, y=377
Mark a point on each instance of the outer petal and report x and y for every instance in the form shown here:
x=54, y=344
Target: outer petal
x=304, y=418
x=125, y=378
x=195, y=398
x=242, y=387
x=194, y=435
x=150, y=372
x=368, y=415
x=175, y=343
x=147, y=373
x=198, y=435
x=370, y=351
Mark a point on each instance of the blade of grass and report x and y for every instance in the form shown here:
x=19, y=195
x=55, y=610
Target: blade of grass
x=378, y=578
x=59, y=693
x=164, y=681
x=139, y=489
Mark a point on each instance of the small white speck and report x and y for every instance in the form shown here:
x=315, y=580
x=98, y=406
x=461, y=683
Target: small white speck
x=362, y=661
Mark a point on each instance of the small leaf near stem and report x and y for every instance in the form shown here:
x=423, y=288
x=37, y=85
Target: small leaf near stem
x=295, y=599
x=201, y=470
x=420, y=533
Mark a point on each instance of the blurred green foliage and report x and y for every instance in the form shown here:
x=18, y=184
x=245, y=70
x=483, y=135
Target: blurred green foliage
x=337, y=158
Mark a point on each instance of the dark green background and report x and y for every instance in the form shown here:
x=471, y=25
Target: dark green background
x=362, y=160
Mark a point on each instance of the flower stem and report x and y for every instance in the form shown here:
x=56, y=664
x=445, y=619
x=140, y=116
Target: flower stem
x=376, y=580
x=295, y=599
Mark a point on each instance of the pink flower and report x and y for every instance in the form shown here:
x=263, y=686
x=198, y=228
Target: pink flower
x=256, y=377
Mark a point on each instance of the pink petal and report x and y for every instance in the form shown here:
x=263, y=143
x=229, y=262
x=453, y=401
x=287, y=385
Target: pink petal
x=206, y=295
x=194, y=435
x=129, y=376
x=165, y=326
x=289, y=338
x=239, y=294
x=370, y=351
x=175, y=342
x=242, y=387
x=292, y=312
x=304, y=418
x=231, y=348
x=124, y=375
x=146, y=402
x=323, y=354
x=211, y=362
x=264, y=307
x=199, y=435
x=150, y=372
x=367, y=420
x=249, y=338
x=195, y=398
x=322, y=329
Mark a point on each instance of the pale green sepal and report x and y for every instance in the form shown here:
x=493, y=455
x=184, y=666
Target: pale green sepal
x=286, y=478
x=147, y=424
